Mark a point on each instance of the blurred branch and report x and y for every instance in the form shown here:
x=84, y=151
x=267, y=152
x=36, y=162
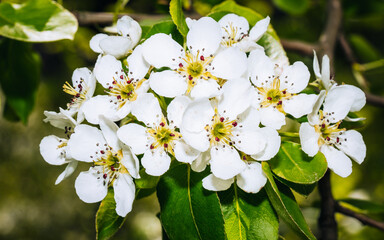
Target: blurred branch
x=362, y=218
x=299, y=46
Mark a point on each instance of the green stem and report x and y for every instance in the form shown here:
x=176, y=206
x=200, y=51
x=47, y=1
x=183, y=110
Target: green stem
x=369, y=66
x=289, y=134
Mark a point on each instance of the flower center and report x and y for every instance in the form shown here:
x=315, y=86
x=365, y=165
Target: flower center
x=111, y=165
x=124, y=90
x=220, y=131
x=195, y=69
x=274, y=95
x=271, y=95
x=330, y=133
x=230, y=38
x=163, y=136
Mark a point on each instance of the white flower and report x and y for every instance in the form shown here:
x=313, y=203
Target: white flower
x=62, y=119
x=277, y=89
x=113, y=165
x=323, y=133
x=82, y=89
x=118, y=46
x=220, y=129
x=235, y=32
x=159, y=137
x=325, y=75
x=122, y=89
x=198, y=71
x=54, y=151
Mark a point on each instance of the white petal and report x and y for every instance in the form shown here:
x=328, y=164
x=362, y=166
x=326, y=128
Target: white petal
x=53, y=150
x=116, y=46
x=59, y=120
x=129, y=28
x=85, y=142
x=201, y=162
x=338, y=103
x=147, y=109
x=168, y=83
x=138, y=67
x=90, y=186
x=271, y=117
x=213, y=183
x=249, y=119
x=359, y=98
x=160, y=49
x=316, y=66
x=249, y=141
x=134, y=136
x=259, y=29
x=313, y=117
x=229, y=63
x=204, y=36
x=131, y=162
x=71, y=167
x=260, y=68
x=354, y=119
x=176, y=108
x=124, y=190
x=190, y=22
x=107, y=69
x=205, y=89
x=85, y=78
x=104, y=105
x=197, y=140
x=294, y=78
x=226, y=162
x=109, y=130
x=247, y=45
x=338, y=162
x=353, y=146
x=300, y=105
x=309, y=139
x=273, y=141
x=184, y=152
x=197, y=115
x=325, y=72
x=252, y=179
x=156, y=162
x=95, y=42
x=236, y=98
x=236, y=22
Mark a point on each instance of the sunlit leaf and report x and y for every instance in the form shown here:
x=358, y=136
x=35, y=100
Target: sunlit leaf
x=107, y=220
x=248, y=216
x=188, y=211
x=292, y=164
x=167, y=27
x=302, y=189
x=19, y=78
x=286, y=206
x=36, y=21
x=176, y=11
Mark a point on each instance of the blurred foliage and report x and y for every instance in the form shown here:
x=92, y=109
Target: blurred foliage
x=32, y=207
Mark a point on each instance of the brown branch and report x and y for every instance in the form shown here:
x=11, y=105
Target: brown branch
x=374, y=100
x=299, y=46
x=362, y=218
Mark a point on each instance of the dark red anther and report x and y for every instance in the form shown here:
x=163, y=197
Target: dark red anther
x=221, y=119
x=269, y=98
x=180, y=65
x=323, y=125
x=162, y=124
x=77, y=95
x=114, y=82
x=171, y=134
x=165, y=145
x=284, y=92
x=280, y=102
x=217, y=139
x=110, y=87
x=113, y=168
x=202, y=58
x=328, y=138
x=129, y=81
x=337, y=140
x=190, y=77
x=102, y=152
x=121, y=77
x=151, y=147
x=244, y=158
x=79, y=86
x=234, y=124
x=118, y=97
x=105, y=176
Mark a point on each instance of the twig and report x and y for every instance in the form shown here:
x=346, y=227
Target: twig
x=375, y=100
x=362, y=218
x=299, y=46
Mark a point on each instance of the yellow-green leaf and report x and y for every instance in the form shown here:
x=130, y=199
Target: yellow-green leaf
x=176, y=11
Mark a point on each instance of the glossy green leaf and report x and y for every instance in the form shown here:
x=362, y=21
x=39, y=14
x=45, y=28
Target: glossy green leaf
x=176, y=11
x=19, y=78
x=293, y=6
x=37, y=21
x=146, y=181
x=248, y=216
x=167, y=27
x=302, y=189
x=286, y=206
x=292, y=164
x=270, y=41
x=107, y=220
x=188, y=211
x=363, y=206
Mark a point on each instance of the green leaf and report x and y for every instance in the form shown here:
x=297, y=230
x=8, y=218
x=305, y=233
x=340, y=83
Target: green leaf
x=302, y=189
x=293, y=6
x=270, y=41
x=248, y=216
x=176, y=11
x=286, y=206
x=36, y=21
x=363, y=206
x=146, y=181
x=107, y=220
x=167, y=27
x=19, y=77
x=292, y=164
x=188, y=211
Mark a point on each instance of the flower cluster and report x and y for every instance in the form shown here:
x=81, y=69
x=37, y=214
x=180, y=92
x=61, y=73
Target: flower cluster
x=217, y=100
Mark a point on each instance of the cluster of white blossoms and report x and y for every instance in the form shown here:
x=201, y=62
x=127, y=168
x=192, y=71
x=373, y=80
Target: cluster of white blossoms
x=217, y=101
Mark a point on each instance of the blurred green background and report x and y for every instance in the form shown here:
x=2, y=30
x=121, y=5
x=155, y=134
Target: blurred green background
x=32, y=207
